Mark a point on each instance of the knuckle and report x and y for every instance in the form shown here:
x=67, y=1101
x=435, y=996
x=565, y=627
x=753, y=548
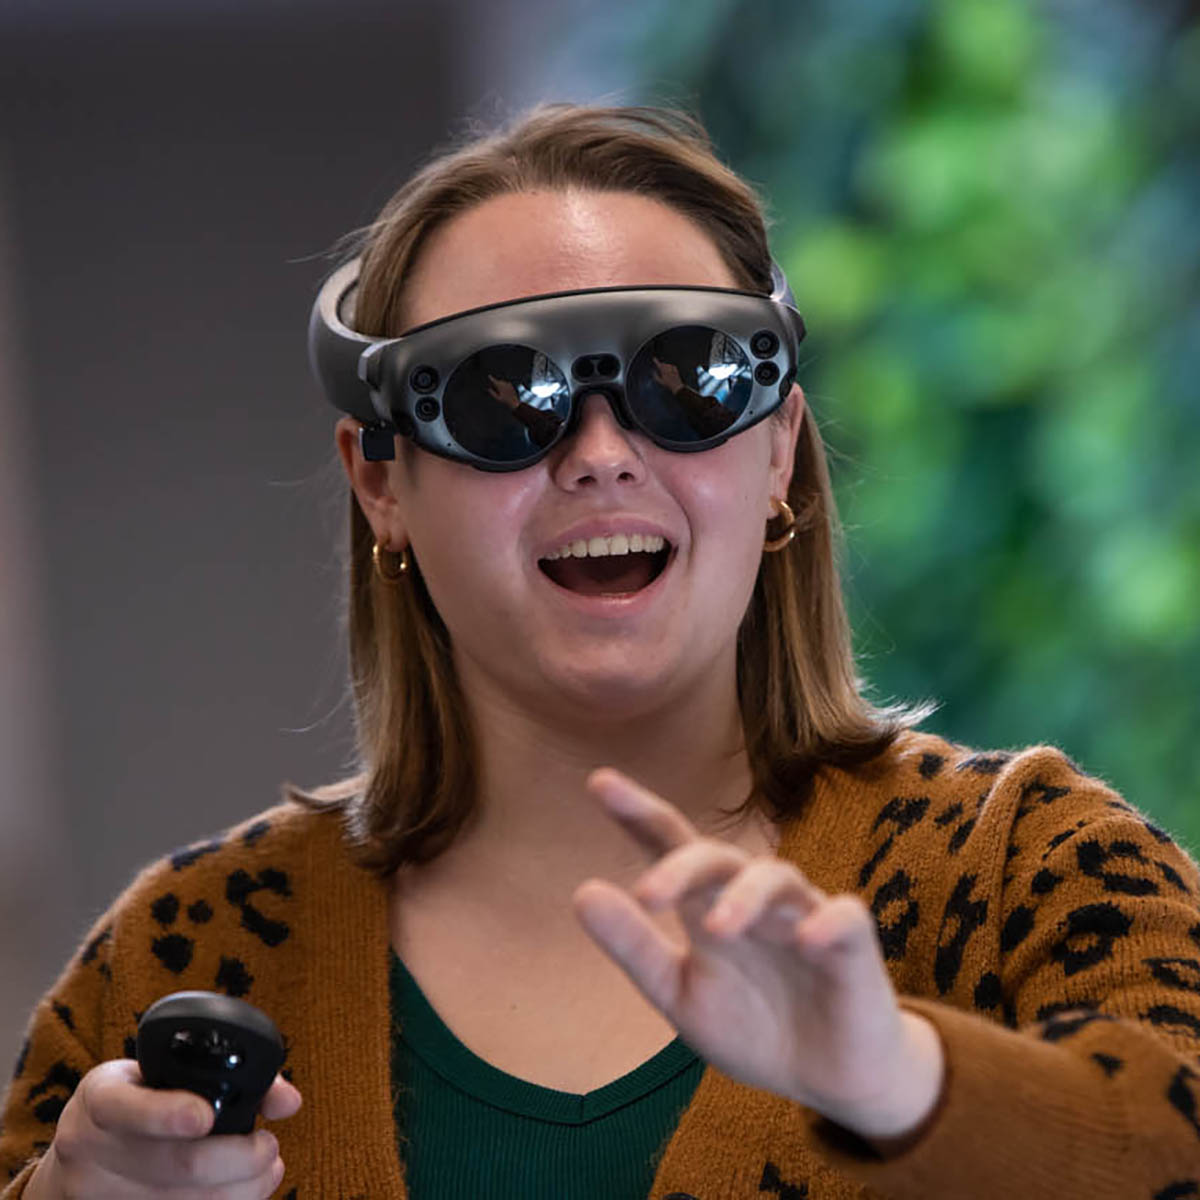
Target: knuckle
x=777, y=869
x=266, y=1150
x=261, y=1187
x=76, y=1130
x=274, y=1177
x=98, y=1097
x=720, y=852
x=69, y=1146
x=672, y=859
x=856, y=913
x=682, y=862
x=769, y=874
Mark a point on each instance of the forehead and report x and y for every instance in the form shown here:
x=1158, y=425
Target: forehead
x=527, y=243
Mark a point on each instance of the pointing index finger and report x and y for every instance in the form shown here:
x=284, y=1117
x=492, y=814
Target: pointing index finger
x=656, y=825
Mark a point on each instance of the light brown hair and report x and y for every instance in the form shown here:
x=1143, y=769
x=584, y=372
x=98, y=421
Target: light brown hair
x=801, y=701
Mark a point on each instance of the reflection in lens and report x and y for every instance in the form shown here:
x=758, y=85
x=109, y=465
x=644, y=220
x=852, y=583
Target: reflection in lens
x=505, y=403
x=689, y=384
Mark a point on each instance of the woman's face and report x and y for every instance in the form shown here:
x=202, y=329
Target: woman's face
x=605, y=637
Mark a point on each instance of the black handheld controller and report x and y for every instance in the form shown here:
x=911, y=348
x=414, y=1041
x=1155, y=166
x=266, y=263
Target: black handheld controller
x=223, y=1049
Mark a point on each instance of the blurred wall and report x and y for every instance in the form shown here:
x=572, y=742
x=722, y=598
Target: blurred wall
x=170, y=511
x=31, y=821
x=170, y=562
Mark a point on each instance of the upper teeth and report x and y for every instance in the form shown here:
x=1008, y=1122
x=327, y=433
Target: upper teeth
x=619, y=543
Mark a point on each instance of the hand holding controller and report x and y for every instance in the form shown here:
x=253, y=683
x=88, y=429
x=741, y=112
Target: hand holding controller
x=220, y=1048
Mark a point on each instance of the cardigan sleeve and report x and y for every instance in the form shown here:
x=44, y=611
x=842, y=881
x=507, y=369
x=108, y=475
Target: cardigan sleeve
x=63, y=1042
x=1086, y=1079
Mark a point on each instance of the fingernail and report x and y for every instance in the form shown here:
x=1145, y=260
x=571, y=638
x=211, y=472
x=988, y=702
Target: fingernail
x=612, y=784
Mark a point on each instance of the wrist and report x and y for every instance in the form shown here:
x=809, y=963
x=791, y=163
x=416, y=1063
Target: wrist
x=898, y=1117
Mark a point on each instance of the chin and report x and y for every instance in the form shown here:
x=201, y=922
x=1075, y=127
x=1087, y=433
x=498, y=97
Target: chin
x=615, y=686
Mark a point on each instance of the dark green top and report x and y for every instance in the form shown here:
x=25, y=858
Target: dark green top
x=466, y=1129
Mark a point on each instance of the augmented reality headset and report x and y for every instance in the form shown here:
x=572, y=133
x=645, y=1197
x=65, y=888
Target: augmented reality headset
x=497, y=387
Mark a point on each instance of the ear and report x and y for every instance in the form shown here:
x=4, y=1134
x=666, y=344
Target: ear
x=376, y=486
x=785, y=431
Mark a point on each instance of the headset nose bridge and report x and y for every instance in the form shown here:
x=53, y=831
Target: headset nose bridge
x=597, y=446
x=612, y=394
x=600, y=372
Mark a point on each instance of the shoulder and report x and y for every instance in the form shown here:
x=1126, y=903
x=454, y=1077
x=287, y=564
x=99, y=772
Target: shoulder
x=224, y=911
x=922, y=778
x=948, y=845
x=288, y=828
x=287, y=838
x=1028, y=802
x=932, y=817
x=938, y=766
x=223, y=914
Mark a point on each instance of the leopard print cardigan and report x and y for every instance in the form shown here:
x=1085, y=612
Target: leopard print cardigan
x=1047, y=929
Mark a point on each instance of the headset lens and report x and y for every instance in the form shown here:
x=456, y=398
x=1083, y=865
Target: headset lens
x=689, y=384
x=506, y=403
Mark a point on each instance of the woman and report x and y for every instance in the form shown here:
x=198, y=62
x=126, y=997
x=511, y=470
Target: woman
x=637, y=895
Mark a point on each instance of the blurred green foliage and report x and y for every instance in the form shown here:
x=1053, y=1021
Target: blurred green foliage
x=989, y=211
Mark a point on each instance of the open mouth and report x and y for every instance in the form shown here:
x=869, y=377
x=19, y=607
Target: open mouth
x=612, y=566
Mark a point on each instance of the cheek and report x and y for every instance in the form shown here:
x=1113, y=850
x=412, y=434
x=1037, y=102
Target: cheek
x=464, y=527
x=726, y=500
x=728, y=495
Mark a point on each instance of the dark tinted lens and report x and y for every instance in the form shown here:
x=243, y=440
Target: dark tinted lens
x=505, y=403
x=689, y=384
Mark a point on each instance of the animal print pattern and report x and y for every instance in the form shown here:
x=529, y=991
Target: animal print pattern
x=175, y=913
x=1048, y=931
x=1088, y=936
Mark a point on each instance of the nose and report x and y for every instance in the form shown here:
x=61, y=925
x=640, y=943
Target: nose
x=598, y=452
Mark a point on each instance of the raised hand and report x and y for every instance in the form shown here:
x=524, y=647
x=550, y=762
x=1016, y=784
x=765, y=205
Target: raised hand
x=778, y=984
x=503, y=390
x=667, y=375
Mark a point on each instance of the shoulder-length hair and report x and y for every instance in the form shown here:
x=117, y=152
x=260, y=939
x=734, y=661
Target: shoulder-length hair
x=801, y=701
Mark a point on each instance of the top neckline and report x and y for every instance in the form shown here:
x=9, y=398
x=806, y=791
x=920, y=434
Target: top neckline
x=429, y=1038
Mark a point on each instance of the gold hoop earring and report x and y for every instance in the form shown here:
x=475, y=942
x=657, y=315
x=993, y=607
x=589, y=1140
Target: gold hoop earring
x=782, y=509
x=389, y=575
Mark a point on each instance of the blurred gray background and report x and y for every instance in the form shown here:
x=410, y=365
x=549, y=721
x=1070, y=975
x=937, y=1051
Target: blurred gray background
x=171, y=177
